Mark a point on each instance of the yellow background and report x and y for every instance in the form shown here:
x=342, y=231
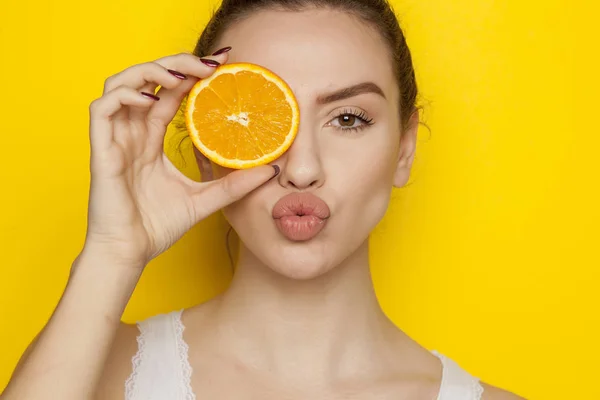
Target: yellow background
x=490, y=256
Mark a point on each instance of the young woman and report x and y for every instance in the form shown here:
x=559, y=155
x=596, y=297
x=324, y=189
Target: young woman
x=300, y=319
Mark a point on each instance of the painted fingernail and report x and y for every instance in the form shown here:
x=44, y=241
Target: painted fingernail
x=177, y=74
x=210, y=63
x=277, y=170
x=150, y=96
x=221, y=51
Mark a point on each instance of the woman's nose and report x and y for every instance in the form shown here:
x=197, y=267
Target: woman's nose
x=301, y=167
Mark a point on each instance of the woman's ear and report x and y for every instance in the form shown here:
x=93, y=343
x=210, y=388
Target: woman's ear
x=406, y=155
x=204, y=165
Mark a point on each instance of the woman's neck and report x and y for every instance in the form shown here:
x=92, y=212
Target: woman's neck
x=328, y=326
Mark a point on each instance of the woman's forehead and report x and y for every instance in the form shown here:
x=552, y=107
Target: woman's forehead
x=313, y=50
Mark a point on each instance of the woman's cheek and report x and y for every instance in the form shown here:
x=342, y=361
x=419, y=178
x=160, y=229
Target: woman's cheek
x=372, y=184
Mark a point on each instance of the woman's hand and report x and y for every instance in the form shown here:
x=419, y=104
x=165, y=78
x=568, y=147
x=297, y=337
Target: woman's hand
x=140, y=204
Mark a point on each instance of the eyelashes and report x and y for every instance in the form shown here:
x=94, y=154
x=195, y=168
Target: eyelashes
x=351, y=120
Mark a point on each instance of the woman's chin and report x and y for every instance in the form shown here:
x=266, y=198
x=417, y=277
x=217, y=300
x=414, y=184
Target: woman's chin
x=300, y=261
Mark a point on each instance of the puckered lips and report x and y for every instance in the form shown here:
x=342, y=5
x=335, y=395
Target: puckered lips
x=300, y=216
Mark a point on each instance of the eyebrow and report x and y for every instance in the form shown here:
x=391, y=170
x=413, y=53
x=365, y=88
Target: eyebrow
x=351, y=91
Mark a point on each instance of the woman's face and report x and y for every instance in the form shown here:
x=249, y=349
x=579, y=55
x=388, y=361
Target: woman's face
x=348, y=152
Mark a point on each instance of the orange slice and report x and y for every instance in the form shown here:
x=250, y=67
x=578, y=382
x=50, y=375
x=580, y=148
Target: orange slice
x=242, y=116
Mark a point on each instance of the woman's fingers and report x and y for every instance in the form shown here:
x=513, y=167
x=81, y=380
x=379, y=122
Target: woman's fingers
x=102, y=109
x=168, y=72
x=142, y=75
x=220, y=193
x=175, y=74
x=171, y=97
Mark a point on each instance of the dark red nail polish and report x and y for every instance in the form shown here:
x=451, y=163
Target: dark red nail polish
x=277, y=170
x=150, y=96
x=221, y=51
x=177, y=74
x=210, y=63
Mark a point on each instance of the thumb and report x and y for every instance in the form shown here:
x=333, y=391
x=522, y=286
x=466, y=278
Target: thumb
x=232, y=187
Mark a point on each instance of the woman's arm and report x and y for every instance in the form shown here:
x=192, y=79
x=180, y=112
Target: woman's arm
x=139, y=206
x=67, y=358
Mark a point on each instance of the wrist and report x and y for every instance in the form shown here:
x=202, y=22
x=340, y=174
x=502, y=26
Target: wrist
x=106, y=283
x=105, y=256
x=120, y=273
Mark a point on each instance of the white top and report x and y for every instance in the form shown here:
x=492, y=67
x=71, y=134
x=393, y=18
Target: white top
x=161, y=368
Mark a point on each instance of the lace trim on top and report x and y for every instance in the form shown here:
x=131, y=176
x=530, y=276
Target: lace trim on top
x=477, y=389
x=184, y=362
x=160, y=328
x=136, y=361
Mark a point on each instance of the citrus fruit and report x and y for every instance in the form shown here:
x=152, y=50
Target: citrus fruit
x=241, y=116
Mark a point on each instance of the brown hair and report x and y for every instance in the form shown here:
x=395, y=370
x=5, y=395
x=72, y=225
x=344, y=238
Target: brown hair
x=376, y=13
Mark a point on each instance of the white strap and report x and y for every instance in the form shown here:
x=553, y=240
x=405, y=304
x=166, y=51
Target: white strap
x=161, y=368
x=185, y=368
x=457, y=384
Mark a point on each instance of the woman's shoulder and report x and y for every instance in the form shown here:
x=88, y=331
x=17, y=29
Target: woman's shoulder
x=495, y=393
x=458, y=383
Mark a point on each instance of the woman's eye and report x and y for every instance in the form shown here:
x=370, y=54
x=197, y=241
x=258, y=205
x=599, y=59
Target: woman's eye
x=349, y=121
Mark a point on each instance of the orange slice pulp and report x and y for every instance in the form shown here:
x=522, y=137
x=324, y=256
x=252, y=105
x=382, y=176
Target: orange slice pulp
x=241, y=116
